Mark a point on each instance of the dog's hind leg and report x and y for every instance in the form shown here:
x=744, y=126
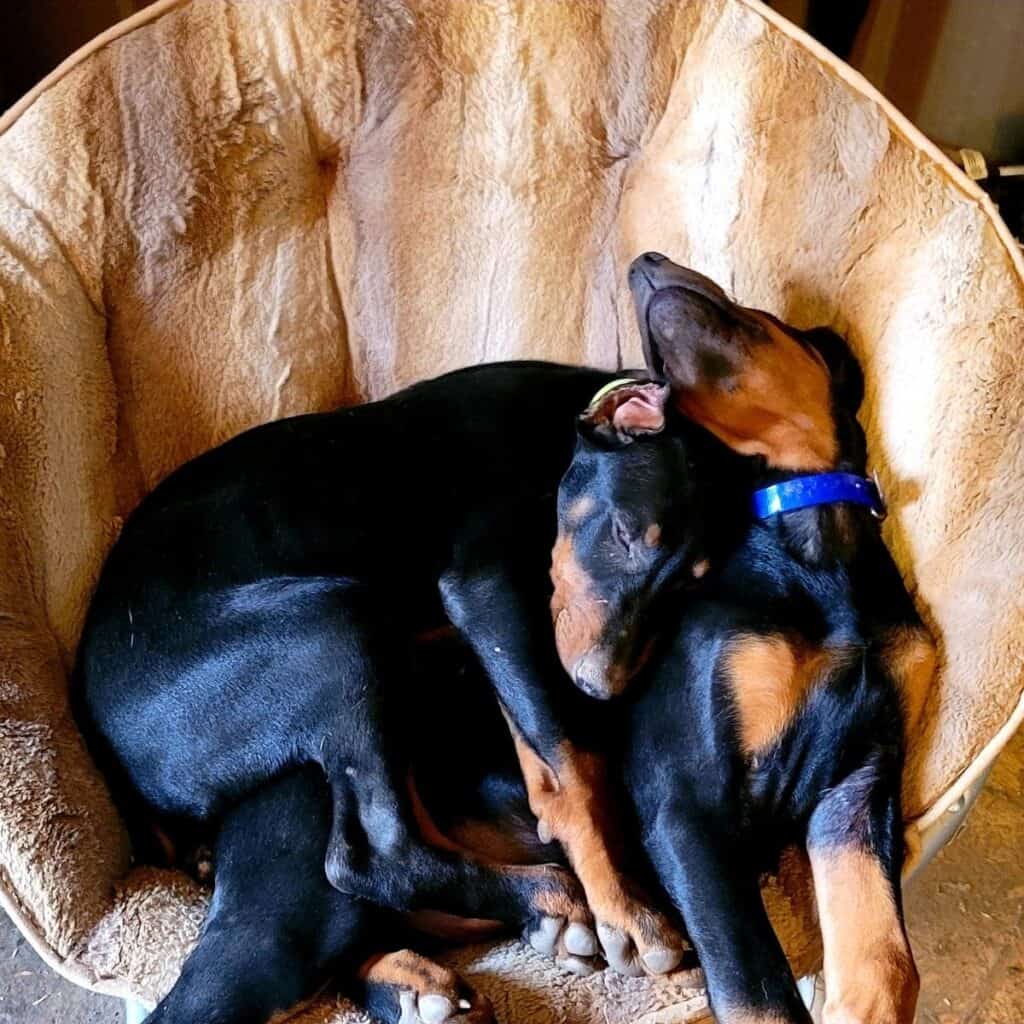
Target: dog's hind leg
x=277, y=932
x=355, y=725
x=381, y=850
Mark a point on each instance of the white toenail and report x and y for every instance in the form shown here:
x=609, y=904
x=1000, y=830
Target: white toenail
x=662, y=960
x=618, y=951
x=544, y=938
x=435, y=1008
x=580, y=940
x=407, y=1001
x=576, y=966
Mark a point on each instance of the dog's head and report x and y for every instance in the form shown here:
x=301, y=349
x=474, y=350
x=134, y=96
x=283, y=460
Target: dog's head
x=786, y=397
x=761, y=386
x=631, y=527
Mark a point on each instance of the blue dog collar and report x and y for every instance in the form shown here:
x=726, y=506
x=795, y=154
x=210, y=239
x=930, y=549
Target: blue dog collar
x=818, y=489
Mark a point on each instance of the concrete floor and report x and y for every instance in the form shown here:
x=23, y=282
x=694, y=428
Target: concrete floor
x=965, y=919
x=30, y=993
x=965, y=913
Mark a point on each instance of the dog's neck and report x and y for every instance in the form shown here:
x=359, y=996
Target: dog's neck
x=821, y=536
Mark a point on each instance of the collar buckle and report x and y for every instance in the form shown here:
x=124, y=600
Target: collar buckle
x=881, y=510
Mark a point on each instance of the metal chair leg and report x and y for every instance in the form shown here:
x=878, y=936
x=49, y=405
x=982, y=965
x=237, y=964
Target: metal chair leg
x=134, y=1013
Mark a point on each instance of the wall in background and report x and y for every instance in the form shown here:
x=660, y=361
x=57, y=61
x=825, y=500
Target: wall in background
x=36, y=35
x=973, y=89
x=953, y=66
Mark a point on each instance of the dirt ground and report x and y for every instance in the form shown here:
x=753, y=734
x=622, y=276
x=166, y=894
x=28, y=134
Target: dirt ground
x=965, y=919
x=965, y=912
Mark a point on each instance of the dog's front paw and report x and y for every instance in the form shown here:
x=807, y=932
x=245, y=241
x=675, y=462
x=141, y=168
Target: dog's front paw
x=561, y=926
x=636, y=939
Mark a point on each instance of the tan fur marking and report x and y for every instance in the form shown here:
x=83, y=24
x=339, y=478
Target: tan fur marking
x=428, y=828
x=557, y=900
x=167, y=847
x=571, y=804
x=580, y=509
x=479, y=840
x=870, y=975
x=579, y=617
x=778, y=406
x=488, y=841
x=431, y=636
x=455, y=929
x=408, y=970
x=652, y=535
x=910, y=657
x=770, y=676
x=554, y=896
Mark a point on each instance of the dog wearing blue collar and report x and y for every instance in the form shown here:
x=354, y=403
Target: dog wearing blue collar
x=778, y=710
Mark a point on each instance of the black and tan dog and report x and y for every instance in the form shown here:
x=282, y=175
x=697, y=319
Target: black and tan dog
x=774, y=712
x=257, y=615
x=778, y=711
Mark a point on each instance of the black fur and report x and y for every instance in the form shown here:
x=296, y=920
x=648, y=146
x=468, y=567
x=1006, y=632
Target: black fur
x=714, y=817
x=258, y=611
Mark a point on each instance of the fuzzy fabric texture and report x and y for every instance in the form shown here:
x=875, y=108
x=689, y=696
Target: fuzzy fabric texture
x=227, y=212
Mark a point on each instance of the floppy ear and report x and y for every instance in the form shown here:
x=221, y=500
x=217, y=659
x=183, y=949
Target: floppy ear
x=847, y=376
x=751, y=381
x=626, y=412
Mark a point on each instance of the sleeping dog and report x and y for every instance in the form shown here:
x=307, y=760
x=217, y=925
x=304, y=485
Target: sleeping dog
x=257, y=611
x=775, y=712
x=775, y=715
x=278, y=932
x=778, y=712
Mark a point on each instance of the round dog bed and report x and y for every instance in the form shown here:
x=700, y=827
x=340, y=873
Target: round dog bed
x=224, y=212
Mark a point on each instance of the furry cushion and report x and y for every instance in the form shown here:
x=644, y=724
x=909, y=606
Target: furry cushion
x=224, y=212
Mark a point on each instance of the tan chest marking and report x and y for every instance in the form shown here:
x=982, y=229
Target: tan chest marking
x=910, y=658
x=770, y=676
